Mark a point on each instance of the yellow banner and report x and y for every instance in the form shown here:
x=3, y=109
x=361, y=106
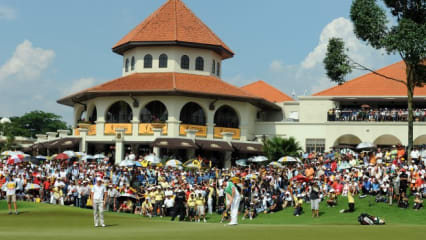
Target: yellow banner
x=219, y=130
x=110, y=128
x=202, y=130
x=92, y=130
x=146, y=129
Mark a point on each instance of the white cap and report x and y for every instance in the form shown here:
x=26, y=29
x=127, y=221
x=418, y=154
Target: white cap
x=98, y=179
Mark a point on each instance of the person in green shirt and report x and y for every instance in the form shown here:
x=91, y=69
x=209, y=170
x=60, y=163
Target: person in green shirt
x=233, y=201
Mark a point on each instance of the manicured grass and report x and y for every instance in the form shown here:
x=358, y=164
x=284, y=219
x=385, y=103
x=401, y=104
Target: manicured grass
x=41, y=221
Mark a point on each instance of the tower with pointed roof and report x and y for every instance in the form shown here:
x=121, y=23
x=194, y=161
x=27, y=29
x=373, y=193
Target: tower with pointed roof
x=172, y=39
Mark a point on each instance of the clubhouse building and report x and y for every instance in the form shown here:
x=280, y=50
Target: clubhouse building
x=171, y=100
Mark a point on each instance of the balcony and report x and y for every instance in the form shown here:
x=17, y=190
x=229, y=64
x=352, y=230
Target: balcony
x=219, y=130
x=146, y=129
x=202, y=130
x=92, y=130
x=110, y=128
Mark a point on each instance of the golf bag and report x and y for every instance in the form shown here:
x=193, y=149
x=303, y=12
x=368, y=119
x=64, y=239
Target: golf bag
x=366, y=219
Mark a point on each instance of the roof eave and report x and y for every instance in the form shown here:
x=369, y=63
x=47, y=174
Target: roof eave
x=259, y=102
x=222, y=51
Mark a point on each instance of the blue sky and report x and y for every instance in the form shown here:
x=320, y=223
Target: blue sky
x=52, y=48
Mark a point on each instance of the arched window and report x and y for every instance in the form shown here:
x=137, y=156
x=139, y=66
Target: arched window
x=199, y=64
x=132, y=64
x=94, y=116
x=147, y=61
x=226, y=116
x=218, y=69
x=163, y=61
x=126, y=65
x=184, y=62
x=119, y=112
x=154, y=111
x=214, y=67
x=83, y=116
x=192, y=113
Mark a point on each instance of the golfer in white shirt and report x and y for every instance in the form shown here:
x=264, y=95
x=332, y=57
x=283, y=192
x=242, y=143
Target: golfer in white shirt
x=98, y=200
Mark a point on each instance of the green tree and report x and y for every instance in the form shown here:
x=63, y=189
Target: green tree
x=406, y=38
x=277, y=147
x=36, y=122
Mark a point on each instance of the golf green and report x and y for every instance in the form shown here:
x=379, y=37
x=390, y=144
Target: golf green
x=41, y=221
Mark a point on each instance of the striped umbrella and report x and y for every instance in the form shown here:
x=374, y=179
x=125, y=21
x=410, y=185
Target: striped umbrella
x=14, y=159
x=288, y=159
x=32, y=186
x=173, y=163
x=275, y=164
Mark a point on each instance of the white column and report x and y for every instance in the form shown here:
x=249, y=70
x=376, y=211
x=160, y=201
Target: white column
x=227, y=136
x=173, y=128
x=135, y=127
x=100, y=126
x=244, y=132
x=51, y=135
x=83, y=142
x=227, y=160
x=119, y=144
x=63, y=133
x=210, y=130
x=41, y=137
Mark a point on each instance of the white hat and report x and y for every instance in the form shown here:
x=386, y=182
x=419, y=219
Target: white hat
x=98, y=179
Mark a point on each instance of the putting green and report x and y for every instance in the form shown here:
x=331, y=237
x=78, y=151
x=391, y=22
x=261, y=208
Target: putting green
x=40, y=221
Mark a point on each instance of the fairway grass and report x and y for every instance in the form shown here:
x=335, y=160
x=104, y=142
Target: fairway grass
x=41, y=221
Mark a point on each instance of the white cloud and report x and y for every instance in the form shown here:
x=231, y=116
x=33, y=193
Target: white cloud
x=309, y=76
x=7, y=13
x=27, y=63
x=79, y=85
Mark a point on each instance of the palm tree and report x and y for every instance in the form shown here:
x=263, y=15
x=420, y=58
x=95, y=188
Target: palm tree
x=277, y=147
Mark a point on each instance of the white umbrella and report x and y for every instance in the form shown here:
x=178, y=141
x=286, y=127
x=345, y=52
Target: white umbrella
x=173, y=163
x=365, y=145
x=70, y=154
x=152, y=159
x=80, y=154
x=9, y=153
x=288, y=159
x=275, y=164
x=87, y=157
x=241, y=162
x=127, y=163
x=99, y=156
x=258, y=159
x=41, y=158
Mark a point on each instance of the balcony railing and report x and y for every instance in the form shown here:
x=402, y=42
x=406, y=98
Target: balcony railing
x=146, y=129
x=202, y=130
x=219, y=130
x=110, y=128
x=92, y=130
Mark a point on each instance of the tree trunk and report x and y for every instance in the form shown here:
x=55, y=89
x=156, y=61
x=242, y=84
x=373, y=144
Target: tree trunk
x=410, y=93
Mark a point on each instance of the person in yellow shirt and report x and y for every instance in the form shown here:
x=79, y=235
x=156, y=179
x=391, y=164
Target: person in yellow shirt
x=200, y=202
x=146, y=208
x=351, y=201
x=191, y=206
x=158, y=204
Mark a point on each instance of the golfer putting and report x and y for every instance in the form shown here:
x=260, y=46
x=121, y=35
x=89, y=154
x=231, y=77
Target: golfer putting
x=232, y=201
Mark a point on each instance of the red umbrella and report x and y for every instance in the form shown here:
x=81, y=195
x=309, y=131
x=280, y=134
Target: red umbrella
x=300, y=178
x=62, y=156
x=14, y=159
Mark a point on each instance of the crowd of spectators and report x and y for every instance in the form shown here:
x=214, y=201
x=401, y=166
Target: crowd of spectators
x=193, y=194
x=374, y=114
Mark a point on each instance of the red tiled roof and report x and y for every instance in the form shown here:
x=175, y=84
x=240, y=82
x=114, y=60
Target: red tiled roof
x=173, y=22
x=266, y=91
x=373, y=85
x=167, y=83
